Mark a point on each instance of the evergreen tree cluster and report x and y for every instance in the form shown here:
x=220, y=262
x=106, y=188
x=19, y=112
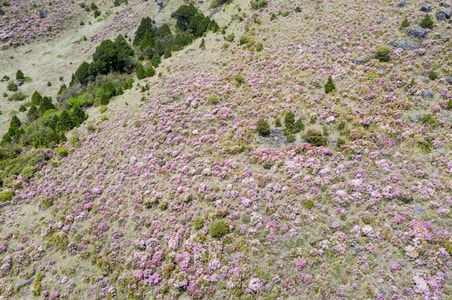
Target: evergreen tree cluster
x=110, y=56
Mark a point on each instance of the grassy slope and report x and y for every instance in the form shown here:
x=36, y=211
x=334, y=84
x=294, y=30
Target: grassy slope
x=380, y=222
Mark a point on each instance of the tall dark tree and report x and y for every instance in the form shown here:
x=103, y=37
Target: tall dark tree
x=64, y=122
x=106, y=58
x=36, y=98
x=146, y=24
x=78, y=116
x=46, y=104
x=82, y=73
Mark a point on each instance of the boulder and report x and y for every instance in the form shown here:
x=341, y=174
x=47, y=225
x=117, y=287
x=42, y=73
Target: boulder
x=443, y=14
x=426, y=7
x=405, y=45
x=362, y=60
x=427, y=94
x=449, y=80
x=418, y=32
x=401, y=4
x=415, y=117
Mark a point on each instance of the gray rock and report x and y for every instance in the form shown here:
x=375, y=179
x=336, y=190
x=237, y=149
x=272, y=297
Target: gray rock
x=405, y=45
x=443, y=14
x=419, y=210
x=333, y=141
x=427, y=94
x=415, y=117
x=362, y=60
x=449, y=80
x=426, y=7
x=401, y=4
x=418, y=32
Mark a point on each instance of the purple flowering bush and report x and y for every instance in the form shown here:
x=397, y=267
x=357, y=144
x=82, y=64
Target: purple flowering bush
x=370, y=219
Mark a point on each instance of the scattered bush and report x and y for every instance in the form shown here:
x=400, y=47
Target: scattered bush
x=229, y=38
x=46, y=203
x=315, y=138
x=426, y=22
x=102, y=109
x=143, y=72
x=298, y=126
x=278, y=122
x=198, y=223
x=330, y=86
x=74, y=141
x=340, y=141
x=6, y=196
x=309, y=204
x=432, y=75
x=263, y=128
x=12, y=87
x=258, y=4
x=289, y=121
x=17, y=96
x=405, y=23
x=238, y=80
x=28, y=172
x=382, y=53
x=290, y=138
x=449, y=104
x=213, y=99
x=218, y=228
x=62, y=151
x=20, y=75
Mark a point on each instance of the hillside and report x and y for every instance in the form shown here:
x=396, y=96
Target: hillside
x=172, y=193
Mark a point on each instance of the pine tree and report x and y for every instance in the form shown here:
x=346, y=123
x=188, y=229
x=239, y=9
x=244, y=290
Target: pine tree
x=46, y=104
x=330, y=86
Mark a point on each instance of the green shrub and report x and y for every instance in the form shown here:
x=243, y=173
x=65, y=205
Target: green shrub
x=258, y=4
x=62, y=151
x=6, y=196
x=213, y=99
x=428, y=119
x=163, y=206
x=330, y=86
x=449, y=104
x=244, y=39
x=315, y=138
x=382, y=53
x=426, y=22
x=46, y=203
x=12, y=87
x=20, y=75
x=405, y=23
x=229, y=38
x=74, y=140
x=102, y=109
x=340, y=141
x=432, y=75
x=309, y=204
x=263, y=128
x=198, y=223
x=277, y=122
x=218, y=228
x=298, y=126
x=37, y=285
x=143, y=72
x=28, y=172
x=289, y=121
x=238, y=80
x=17, y=96
x=290, y=138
